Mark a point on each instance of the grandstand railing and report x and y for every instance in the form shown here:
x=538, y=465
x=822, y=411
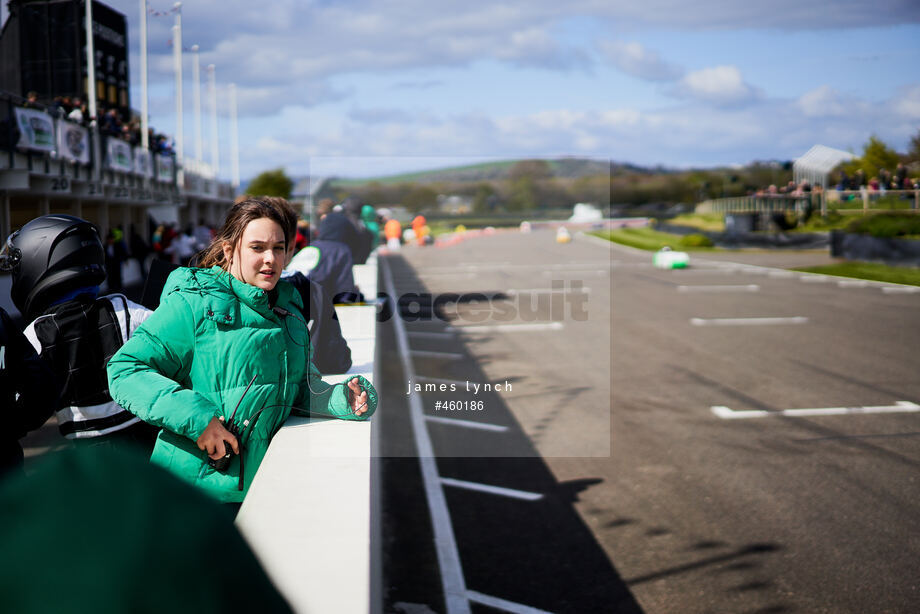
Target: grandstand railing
x=311, y=512
x=103, y=166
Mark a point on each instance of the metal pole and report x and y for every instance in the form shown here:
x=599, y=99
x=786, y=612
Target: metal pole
x=196, y=78
x=177, y=64
x=145, y=111
x=91, y=89
x=234, y=139
x=212, y=94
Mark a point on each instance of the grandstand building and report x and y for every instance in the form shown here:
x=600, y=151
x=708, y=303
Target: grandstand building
x=52, y=163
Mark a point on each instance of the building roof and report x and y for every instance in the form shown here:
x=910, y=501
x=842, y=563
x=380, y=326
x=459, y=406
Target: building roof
x=818, y=162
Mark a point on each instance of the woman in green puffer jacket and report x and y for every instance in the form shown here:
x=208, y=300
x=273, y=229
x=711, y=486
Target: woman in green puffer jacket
x=226, y=342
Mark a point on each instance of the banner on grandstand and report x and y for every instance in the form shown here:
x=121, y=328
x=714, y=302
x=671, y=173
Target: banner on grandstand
x=118, y=155
x=72, y=142
x=143, y=163
x=164, y=168
x=36, y=129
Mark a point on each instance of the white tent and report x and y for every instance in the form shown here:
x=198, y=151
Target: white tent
x=817, y=163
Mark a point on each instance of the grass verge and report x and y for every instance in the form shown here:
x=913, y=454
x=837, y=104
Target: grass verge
x=646, y=238
x=714, y=222
x=869, y=270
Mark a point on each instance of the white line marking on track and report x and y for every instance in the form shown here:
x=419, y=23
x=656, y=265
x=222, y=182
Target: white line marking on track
x=452, y=580
x=856, y=283
x=470, y=269
x=747, y=321
x=512, y=328
x=549, y=291
x=502, y=604
x=703, y=270
x=443, y=355
x=594, y=272
x=899, y=407
x=900, y=289
x=815, y=279
x=438, y=380
x=744, y=288
x=452, y=273
x=485, y=426
x=432, y=335
x=493, y=490
x=781, y=274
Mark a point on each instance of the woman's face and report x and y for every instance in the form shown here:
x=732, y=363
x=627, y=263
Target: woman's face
x=259, y=257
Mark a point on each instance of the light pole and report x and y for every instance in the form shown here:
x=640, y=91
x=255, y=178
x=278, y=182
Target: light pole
x=177, y=64
x=212, y=94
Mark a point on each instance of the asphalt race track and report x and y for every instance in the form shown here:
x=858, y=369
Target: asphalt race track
x=725, y=438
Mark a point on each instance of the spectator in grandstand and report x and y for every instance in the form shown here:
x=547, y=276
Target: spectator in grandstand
x=116, y=252
x=223, y=361
x=78, y=112
x=884, y=179
x=184, y=247
x=900, y=181
x=844, y=182
x=57, y=264
x=32, y=100
x=138, y=249
x=111, y=126
x=60, y=106
x=203, y=234
x=858, y=180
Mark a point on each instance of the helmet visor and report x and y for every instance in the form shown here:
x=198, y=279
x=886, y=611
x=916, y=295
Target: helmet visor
x=11, y=255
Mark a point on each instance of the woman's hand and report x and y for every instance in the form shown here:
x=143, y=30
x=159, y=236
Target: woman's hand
x=213, y=438
x=357, y=397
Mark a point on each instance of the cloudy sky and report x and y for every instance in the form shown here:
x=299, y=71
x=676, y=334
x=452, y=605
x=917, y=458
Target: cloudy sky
x=366, y=88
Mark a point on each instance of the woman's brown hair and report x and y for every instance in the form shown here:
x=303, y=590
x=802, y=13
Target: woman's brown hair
x=239, y=216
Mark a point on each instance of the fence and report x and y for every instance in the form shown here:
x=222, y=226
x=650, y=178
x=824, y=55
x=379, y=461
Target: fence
x=824, y=200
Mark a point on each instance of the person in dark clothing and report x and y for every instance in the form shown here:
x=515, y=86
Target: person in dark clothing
x=139, y=250
x=333, y=268
x=57, y=264
x=29, y=393
x=331, y=353
x=363, y=242
x=91, y=533
x=115, y=254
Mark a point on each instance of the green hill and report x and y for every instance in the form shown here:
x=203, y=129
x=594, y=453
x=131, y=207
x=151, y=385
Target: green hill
x=569, y=168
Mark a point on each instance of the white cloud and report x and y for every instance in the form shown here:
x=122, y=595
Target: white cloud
x=691, y=134
x=907, y=103
x=634, y=59
x=297, y=52
x=823, y=101
x=719, y=85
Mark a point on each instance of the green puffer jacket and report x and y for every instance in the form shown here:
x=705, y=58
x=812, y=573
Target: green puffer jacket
x=193, y=358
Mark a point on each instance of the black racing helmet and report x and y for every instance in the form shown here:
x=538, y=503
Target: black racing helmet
x=49, y=257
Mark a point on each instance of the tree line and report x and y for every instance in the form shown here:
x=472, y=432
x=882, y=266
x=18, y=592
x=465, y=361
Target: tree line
x=532, y=185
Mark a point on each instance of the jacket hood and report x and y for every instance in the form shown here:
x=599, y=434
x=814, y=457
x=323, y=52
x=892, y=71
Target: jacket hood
x=335, y=227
